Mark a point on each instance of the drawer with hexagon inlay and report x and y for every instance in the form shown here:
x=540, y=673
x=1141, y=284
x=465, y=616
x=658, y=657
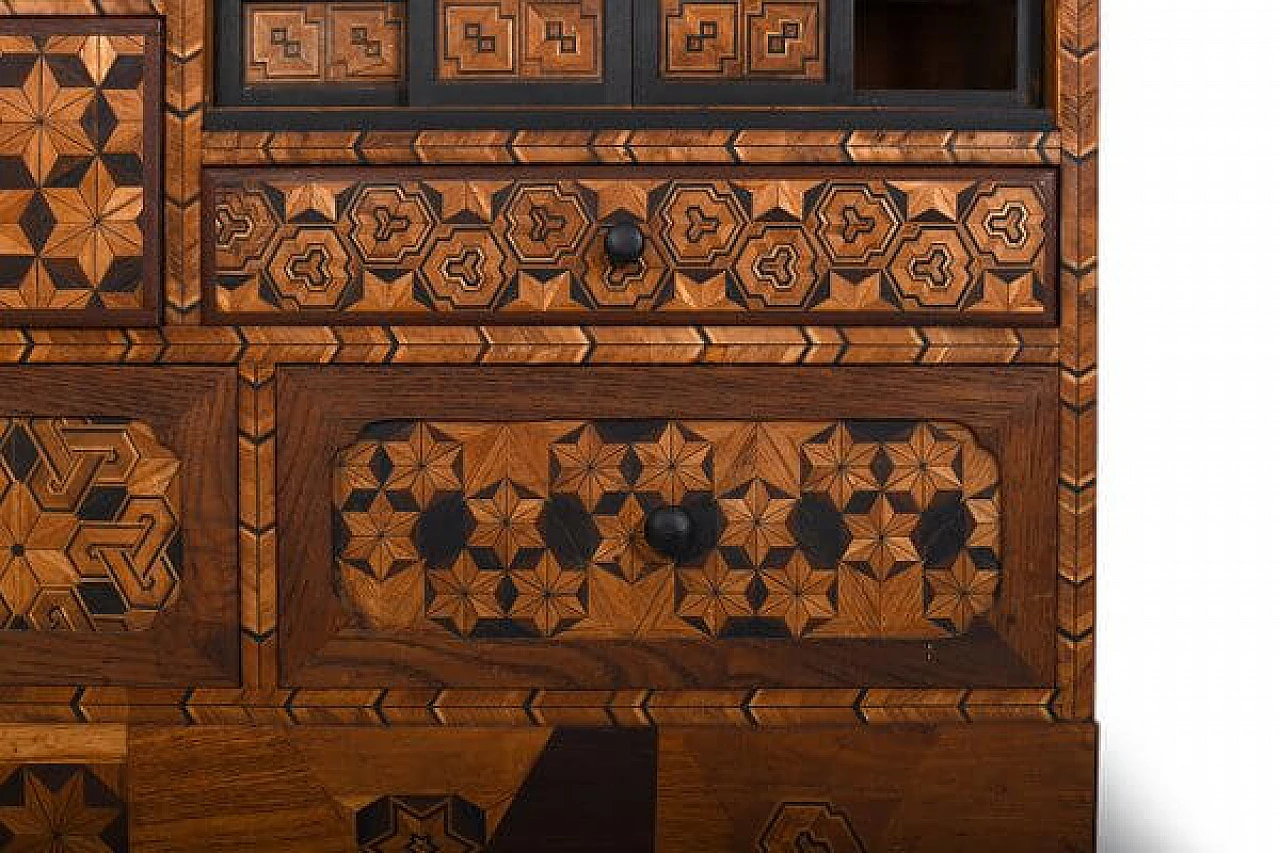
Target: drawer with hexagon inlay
x=775, y=244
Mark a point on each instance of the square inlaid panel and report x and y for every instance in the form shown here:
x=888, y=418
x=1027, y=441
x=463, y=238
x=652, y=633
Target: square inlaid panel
x=117, y=526
x=63, y=807
x=736, y=39
x=520, y=39
x=79, y=171
x=744, y=52
x=317, y=43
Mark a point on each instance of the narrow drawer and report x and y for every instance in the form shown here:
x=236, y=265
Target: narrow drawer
x=117, y=526
x=669, y=529
x=770, y=244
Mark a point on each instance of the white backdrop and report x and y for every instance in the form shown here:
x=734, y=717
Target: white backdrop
x=1189, y=525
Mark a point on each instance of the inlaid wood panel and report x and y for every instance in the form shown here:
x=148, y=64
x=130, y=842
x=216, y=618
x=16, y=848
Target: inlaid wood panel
x=317, y=43
x=89, y=525
x=79, y=172
x=63, y=807
x=889, y=247
x=710, y=789
x=117, y=526
x=520, y=39
x=736, y=39
x=516, y=522
x=845, y=529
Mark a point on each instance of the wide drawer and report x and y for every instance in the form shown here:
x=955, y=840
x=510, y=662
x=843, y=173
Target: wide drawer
x=960, y=788
x=117, y=526
x=670, y=529
x=772, y=244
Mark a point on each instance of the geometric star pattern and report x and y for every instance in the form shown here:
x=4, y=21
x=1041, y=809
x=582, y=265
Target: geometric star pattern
x=356, y=247
x=74, y=193
x=62, y=808
x=849, y=528
x=89, y=525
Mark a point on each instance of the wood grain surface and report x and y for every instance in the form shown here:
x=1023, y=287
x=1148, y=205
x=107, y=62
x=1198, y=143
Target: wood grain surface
x=190, y=411
x=257, y=711
x=324, y=410
x=81, y=173
x=777, y=245
x=935, y=788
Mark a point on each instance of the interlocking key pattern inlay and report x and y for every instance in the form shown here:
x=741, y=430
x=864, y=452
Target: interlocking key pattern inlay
x=89, y=525
x=324, y=42
x=76, y=190
x=888, y=248
x=536, y=529
x=520, y=39
x=744, y=39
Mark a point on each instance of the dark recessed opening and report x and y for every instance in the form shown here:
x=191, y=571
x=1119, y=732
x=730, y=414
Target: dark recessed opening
x=937, y=44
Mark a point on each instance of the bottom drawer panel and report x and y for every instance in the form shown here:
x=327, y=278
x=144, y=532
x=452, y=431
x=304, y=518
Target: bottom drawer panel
x=1024, y=787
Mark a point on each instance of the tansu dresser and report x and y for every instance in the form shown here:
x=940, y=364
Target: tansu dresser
x=547, y=425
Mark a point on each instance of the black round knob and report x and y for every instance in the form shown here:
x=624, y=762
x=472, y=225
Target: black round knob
x=624, y=243
x=669, y=531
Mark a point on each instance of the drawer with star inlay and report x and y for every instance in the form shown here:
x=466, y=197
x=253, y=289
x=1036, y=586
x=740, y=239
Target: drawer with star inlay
x=779, y=244
x=667, y=528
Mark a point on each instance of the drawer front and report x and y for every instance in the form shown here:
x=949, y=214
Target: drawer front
x=80, y=171
x=668, y=528
x=774, y=244
x=871, y=790
x=117, y=526
x=686, y=528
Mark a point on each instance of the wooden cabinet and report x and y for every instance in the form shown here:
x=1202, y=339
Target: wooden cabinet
x=520, y=425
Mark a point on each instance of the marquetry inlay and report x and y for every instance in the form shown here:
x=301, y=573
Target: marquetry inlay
x=90, y=534
x=805, y=529
x=520, y=39
x=77, y=211
x=316, y=42
x=291, y=244
x=738, y=39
